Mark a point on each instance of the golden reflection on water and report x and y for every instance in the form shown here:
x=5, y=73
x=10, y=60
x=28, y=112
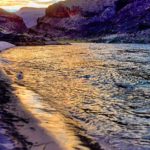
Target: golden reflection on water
x=49, y=119
x=53, y=72
x=103, y=88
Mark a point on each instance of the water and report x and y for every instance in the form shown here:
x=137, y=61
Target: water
x=103, y=88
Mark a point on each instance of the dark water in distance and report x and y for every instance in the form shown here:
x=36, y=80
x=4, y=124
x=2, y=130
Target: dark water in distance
x=124, y=100
x=104, y=87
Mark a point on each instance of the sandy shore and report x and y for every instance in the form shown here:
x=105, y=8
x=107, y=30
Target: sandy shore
x=21, y=128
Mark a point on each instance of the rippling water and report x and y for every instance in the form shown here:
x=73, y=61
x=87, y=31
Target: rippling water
x=103, y=88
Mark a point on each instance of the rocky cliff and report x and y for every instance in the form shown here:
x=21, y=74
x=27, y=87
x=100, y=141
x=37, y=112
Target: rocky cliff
x=11, y=23
x=71, y=18
x=14, y=30
x=133, y=17
x=90, y=19
x=11, y=27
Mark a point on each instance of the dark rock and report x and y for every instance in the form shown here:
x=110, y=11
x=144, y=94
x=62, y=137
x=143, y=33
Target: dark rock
x=8, y=118
x=87, y=76
x=124, y=86
x=4, y=92
x=133, y=17
x=121, y=4
x=26, y=39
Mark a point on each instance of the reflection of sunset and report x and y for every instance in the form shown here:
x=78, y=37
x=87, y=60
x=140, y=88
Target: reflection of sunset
x=54, y=75
x=85, y=90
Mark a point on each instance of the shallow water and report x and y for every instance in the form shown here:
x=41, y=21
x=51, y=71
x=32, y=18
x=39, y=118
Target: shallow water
x=103, y=88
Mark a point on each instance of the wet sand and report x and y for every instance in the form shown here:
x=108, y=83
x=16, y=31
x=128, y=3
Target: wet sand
x=21, y=130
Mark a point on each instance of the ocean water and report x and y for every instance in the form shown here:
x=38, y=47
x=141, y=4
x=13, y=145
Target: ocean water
x=101, y=90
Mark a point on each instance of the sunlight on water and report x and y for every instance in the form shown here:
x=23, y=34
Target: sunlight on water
x=104, y=88
x=49, y=118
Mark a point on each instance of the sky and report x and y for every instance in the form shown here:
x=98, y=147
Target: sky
x=13, y=5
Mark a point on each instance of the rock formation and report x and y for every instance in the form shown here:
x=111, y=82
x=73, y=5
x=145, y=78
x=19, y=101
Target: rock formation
x=90, y=19
x=133, y=17
x=14, y=30
x=11, y=23
x=82, y=19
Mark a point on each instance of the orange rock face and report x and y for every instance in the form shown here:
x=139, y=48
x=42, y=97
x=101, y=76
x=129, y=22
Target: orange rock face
x=61, y=11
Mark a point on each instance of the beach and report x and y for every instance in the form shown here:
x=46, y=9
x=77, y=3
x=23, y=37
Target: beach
x=20, y=129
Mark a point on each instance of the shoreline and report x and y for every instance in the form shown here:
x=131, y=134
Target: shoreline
x=15, y=116
x=25, y=122
x=7, y=118
x=27, y=133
